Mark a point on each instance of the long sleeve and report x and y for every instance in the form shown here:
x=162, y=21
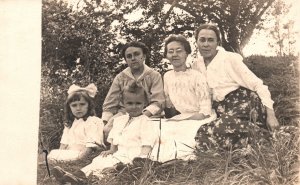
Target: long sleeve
x=112, y=100
x=115, y=133
x=242, y=75
x=157, y=99
x=202, y=94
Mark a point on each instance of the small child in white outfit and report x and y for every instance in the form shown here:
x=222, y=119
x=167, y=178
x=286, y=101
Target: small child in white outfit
x=131, y=136
x=83, y=131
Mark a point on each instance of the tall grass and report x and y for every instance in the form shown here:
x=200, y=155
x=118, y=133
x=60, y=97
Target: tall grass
x=273, y=162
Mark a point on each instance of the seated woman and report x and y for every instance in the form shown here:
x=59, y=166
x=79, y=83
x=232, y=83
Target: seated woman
x=186, y=92
x=137, y=71
x=185, y=89
x=241, y=100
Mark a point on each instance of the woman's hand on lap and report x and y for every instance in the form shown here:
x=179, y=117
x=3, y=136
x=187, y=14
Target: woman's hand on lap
x=198, y=116
x=147, y=113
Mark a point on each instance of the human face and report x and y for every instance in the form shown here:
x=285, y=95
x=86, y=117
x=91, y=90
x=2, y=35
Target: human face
x=135, y=58
x=79, y=108
x=134, y=104
x=207, y=43
x=177, y=55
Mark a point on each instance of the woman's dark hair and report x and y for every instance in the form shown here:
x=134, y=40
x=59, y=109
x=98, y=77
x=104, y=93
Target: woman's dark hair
x=69, y=117
x=209, y=27
x=137, y=45
x=178, y=38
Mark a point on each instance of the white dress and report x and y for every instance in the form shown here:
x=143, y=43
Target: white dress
x=169, y=139
x=82, y=134
x=177, y=138
x=188, y=92
x=130, y=134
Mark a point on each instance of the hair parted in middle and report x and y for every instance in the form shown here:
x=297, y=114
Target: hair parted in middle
x=136, y=44
x=76, y=96
x=209, y=26
x=178, y=38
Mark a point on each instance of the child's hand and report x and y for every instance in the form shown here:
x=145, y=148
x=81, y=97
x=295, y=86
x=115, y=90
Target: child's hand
x=113, y=149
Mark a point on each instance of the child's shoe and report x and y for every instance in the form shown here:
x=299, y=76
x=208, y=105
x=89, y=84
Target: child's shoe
x=74, y=180
x=58, y=174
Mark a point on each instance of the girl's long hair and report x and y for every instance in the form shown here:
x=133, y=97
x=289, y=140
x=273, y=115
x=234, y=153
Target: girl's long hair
x=69, y=117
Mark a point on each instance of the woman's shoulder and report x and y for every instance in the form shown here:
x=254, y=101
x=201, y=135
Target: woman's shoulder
x=169, y=73
x=152, y=72
x=231, y=56
x=194, y=71
x=195, y=74
x=123, y=73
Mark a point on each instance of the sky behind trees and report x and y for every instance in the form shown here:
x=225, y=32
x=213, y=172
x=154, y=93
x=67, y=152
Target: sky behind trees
x=259, y=42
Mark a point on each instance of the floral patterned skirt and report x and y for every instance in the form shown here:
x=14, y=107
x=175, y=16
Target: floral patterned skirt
x=241, y=118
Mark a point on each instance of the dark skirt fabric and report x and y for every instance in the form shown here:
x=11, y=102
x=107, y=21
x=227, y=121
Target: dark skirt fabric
x=241, y=117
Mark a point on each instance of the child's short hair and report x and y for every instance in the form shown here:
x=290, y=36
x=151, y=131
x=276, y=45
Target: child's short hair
x=134, y=88
x=75, y=96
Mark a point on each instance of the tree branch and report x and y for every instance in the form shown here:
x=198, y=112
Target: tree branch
x=164, y=19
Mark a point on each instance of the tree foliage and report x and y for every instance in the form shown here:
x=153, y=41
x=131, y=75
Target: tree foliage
x=77, y=48
x=281, y=29
x=81, y=42
x=237, y=19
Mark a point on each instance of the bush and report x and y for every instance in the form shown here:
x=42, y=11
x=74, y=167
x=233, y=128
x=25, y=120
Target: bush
x=77, y=48
x=283, y=83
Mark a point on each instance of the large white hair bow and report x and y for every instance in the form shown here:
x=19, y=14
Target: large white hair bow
x=91, y=89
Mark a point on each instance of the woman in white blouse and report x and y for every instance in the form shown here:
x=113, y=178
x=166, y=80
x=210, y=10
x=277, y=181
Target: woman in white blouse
x=241, y=100
x=185, y=89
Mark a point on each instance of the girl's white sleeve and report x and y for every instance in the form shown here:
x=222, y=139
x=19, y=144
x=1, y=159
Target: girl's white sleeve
x=94, y=132
x=241, y=74
x=65, y=136
x=202, y=94
x=112, y=135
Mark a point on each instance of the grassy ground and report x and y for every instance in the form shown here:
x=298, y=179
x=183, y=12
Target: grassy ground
x=274, y=162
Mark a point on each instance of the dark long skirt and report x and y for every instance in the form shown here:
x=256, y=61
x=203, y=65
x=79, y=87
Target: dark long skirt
x=240, y=117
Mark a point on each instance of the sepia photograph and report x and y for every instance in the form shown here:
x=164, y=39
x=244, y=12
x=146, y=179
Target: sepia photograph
x=151, y=92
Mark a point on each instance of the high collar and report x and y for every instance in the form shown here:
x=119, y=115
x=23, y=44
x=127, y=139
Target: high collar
x=218, y=56
x=82, y=119
x=146, y=71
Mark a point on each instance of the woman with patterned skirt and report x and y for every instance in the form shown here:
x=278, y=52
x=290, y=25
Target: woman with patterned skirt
x=242, y=102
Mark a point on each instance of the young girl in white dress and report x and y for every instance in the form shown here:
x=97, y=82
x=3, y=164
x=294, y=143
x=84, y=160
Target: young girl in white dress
x=83, y=130
x=132, y=136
